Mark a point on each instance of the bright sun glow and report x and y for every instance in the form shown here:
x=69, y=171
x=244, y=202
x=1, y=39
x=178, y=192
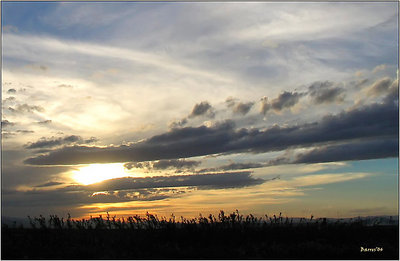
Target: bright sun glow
x=98, y=172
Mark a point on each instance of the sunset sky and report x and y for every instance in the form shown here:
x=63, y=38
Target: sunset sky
x=190, y=108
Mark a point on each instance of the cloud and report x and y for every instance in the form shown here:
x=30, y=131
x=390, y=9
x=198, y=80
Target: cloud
x=265, y=106
x=49, y=184
x=53, y=142
x=139, y=165
x=367, y=122
x=47, y=48
x=359, y=84
x=6, y=123
x=393, y=94
x=22, y=108
x=327, y=178
x=178, y=164
x=7, y=135
x=325, y=92
x=65, y=86
x=358, y=150
x=37, y=67
x=90, y=140
x=10, y=29
x=219, y=180
x=285, y=100
x=243, y=108
x=230, y=102
x=44, y=122
x=10, y=99
x=233, y=166
x=12, y=91
x=379, y=68
x=381, y=86
x=24, y=131
x=10, y=134
x=239, y=107
x=202, y=108
x=178, y=124
x=128, y=189
x=352, y=151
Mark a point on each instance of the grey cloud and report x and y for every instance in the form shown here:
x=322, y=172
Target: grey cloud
x=285, y=100
x=281, y=160
x=326, y=92
x=7, y=135
x=52, y=142
x=379, y=68
x=239, y=107
x=164, y=164
x=177, y=164
x=367, y=122
x=393, y=93
x=14, y=175
x=202, y=108
x=234, y=166
x=71, y=138
x=243, y=108
x=10, y=134
x=352, y=151
x=11, y=109
x=91, y=140
x=42, y=151
x=21, y=108
x=12, y=91
x=37, y=67
x=65, y=86
x=379, y=87
x=219, y=180
x=10, y=99
x=265, y=105
x=49, y=184
x=24, y=131
x=46, y=143
x=139, y=165
x=6, y=123
x=358, y=150
x=44, y=122
x=359, y=83
x=128, y=189
x=178, y=124
x=230, y=102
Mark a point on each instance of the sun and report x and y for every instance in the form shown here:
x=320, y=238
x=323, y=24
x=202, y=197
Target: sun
x=98, y=172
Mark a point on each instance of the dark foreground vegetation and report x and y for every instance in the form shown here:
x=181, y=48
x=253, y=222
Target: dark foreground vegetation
x=230, y=236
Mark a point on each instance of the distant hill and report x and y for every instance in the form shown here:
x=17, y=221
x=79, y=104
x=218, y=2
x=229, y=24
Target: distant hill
x=15, y=221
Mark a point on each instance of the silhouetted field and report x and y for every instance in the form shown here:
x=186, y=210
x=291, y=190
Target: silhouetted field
x=230, y=236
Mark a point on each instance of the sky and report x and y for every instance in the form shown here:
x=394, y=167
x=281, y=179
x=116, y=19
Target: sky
x=185, y=108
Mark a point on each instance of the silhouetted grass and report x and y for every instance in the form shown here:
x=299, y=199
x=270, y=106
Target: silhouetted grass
x=231, y=236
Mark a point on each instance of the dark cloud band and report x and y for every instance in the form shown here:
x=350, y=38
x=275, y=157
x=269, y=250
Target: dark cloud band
x=368, y=122
x=53, y=142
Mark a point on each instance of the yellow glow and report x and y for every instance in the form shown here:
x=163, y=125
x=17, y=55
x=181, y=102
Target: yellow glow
x=98, y=172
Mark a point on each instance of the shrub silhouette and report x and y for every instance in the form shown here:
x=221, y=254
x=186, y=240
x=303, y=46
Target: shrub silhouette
x=225, y=236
